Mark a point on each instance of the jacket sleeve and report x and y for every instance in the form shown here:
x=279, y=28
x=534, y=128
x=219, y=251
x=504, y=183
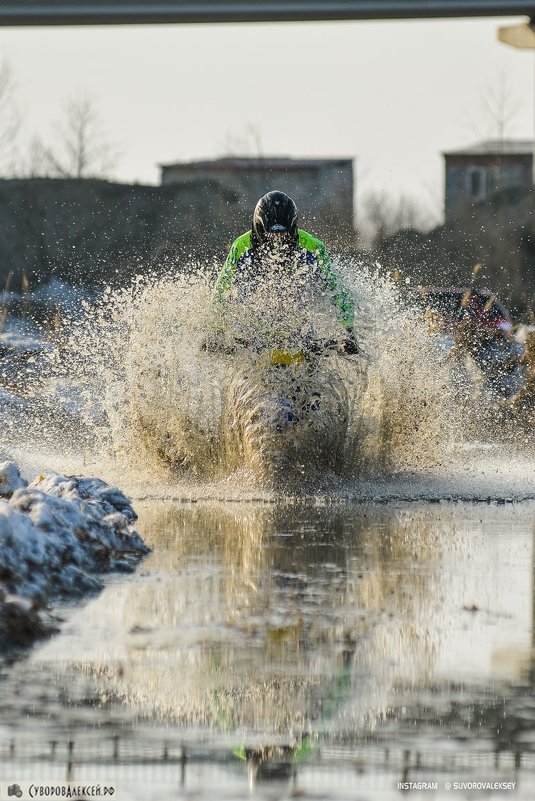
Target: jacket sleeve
x=341, y=297
x=226, y=274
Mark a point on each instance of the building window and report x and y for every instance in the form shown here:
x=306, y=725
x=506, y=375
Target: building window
x=476, y=183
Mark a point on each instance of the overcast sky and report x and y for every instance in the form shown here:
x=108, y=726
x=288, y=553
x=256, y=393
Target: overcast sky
x=392, y=95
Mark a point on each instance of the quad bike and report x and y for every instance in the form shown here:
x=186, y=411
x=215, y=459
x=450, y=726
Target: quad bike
x=286, y=410
x=278, y=408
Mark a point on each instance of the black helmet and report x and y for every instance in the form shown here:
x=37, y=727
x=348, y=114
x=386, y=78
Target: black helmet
x=275, y=213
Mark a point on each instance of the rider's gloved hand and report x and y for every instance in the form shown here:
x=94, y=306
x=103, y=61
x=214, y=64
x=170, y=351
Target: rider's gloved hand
x=351, y=346
x=214, y=343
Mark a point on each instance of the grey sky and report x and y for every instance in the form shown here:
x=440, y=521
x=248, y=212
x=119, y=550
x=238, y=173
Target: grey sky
x=391, y=94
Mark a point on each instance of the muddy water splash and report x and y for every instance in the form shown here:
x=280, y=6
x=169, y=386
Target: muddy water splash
x=178, y=385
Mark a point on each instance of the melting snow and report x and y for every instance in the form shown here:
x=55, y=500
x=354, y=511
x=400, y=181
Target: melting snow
x=57, y=535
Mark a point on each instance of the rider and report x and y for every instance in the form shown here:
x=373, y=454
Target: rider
x=275, y=237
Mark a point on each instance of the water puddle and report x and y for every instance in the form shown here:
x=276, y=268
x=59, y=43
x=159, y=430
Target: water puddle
x=293, y=650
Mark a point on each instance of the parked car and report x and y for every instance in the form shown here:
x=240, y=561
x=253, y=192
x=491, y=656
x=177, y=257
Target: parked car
x=477, y=325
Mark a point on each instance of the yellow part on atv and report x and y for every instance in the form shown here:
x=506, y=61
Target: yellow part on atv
x=285, y=357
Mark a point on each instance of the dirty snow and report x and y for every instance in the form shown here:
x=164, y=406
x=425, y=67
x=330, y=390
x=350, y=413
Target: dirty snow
x=57, y=536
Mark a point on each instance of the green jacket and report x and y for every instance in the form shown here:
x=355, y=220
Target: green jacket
x=312, y=251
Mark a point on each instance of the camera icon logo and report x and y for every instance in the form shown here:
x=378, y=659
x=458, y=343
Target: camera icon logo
x=14, y=790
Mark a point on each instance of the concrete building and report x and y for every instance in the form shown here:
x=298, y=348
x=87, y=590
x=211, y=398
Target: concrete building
x=322, y=188
x=474, y=173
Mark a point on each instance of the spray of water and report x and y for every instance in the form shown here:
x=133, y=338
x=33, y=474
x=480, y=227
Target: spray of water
x=173, y=383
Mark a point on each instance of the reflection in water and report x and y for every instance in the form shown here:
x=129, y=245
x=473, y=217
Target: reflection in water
x=278, y=632
x=276, y=622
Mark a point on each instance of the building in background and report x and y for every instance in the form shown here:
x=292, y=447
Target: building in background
x=474, y=173
x=322, y=188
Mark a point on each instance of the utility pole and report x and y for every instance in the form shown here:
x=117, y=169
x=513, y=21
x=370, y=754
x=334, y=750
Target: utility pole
x=522, y=37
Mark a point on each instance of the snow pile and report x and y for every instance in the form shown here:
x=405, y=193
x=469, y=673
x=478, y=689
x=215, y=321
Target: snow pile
x=10, y=479
x=56, y=535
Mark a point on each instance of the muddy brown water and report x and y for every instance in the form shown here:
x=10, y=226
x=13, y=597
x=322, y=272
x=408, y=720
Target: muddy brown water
x=293, y=650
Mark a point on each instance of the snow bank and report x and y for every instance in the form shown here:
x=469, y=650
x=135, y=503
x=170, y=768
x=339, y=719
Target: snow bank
x=57, y=535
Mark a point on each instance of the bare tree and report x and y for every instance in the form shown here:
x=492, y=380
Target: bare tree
x=36, y=164
x=384, y=215
x=248, y=143
x=9, y=118
x=492, y=116
x=81, y=149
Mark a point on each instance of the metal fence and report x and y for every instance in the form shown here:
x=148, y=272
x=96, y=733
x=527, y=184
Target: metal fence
x=93, y=751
